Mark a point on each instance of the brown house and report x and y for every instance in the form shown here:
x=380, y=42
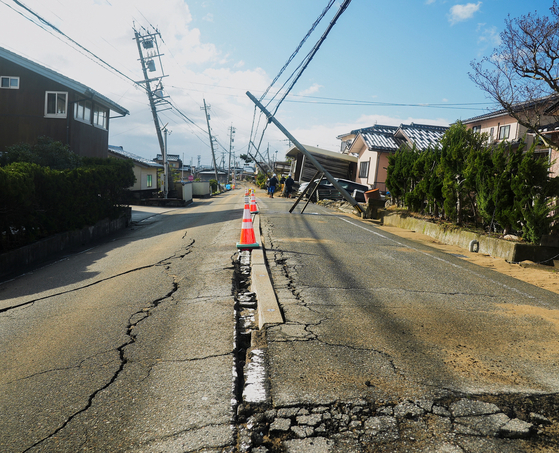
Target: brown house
x=37, y=101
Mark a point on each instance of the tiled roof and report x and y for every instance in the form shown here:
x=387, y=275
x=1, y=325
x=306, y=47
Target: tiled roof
x=141, y=160
x=381, y=141
x=517, y=107
x=170, y=157
x=377, y=128
x=421, y=135
x=391, y=138
x=552, y=127
x=293, y=151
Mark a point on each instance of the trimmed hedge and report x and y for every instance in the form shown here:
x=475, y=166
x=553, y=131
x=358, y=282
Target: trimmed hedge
x=37, y=201
x=500, y=188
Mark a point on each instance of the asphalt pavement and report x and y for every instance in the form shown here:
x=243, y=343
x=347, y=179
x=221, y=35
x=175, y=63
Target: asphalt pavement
x=390, y=345
x=128, y=346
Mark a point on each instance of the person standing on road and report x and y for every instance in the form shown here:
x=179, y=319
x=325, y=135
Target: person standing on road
x=289, y=186
x=272, y=185
x=281, y=187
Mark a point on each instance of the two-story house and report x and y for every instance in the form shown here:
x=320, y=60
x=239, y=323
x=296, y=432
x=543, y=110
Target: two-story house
x=37, y=101
x=173, y=160
x=501, y=126
x=373, y=145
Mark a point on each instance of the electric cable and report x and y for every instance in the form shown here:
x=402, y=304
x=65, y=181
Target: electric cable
x=314, y=25
x=311, y=54
x=47, y=23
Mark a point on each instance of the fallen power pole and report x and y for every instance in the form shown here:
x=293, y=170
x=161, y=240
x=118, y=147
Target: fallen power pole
x=308, y=155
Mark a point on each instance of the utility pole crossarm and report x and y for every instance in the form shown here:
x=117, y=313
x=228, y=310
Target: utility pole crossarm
x=308, y=155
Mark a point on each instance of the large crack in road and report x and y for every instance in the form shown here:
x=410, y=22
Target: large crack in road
x=134, y=320
x=455, y=422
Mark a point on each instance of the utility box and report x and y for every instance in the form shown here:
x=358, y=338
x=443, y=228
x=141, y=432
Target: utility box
x=187, y=192
x=201, y=189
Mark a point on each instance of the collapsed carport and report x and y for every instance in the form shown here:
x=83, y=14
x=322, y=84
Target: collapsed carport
x=339, y=165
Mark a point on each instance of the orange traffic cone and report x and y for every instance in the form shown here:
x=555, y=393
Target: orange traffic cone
x=248, y=239
x=253, y=205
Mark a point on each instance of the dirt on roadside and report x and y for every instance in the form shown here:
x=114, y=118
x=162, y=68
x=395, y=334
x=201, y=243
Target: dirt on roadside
x=545, y=277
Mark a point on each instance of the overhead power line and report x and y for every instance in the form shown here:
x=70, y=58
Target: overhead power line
x=48, y=26
x=302, y=66
x=311, y=54
x=314, y=25
x=47, y=23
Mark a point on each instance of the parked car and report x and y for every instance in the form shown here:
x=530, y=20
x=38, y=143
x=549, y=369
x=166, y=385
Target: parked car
x=327, y=191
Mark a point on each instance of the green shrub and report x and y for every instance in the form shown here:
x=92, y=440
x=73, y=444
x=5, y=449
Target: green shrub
x=38, y=201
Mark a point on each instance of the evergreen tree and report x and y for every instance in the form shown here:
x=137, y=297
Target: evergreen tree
x=456, y=145
x=533, y=191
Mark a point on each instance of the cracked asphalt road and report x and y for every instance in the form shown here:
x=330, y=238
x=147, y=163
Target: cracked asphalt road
x=127, y=346
x=373, y=317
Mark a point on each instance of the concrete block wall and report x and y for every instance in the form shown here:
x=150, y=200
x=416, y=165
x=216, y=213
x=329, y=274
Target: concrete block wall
x=42, y=250
x=512, y=252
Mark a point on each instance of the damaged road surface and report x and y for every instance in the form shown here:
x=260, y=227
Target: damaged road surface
x=392, y=346
x=127, y=346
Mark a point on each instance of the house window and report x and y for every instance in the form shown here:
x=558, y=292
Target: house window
x=9, y=82
x=56, y=104
x=100, y=117
x=476, y=129
x=364, y=169
x=149, y=182
x=82, y=111
x=504, y=132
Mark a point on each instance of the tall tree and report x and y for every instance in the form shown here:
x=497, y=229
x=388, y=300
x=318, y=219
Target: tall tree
x=522, y=73
x=457, y=144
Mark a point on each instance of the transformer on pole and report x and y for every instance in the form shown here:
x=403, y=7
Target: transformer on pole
x=148, y=50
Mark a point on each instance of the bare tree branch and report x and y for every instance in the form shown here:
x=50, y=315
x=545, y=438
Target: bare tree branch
x=522, y=75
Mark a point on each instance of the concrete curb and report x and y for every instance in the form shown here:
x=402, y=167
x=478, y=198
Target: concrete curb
x=512, y=252
x=268, y=309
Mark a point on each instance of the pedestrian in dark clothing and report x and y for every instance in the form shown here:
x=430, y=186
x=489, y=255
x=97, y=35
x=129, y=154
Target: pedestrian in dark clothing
x=289, y=186
x=272, y=185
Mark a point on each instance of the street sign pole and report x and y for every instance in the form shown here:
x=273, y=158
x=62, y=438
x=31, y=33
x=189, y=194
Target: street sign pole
x=308, y=155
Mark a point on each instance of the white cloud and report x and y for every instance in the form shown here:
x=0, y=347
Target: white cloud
x=488, y=36
x=314, y=88
x=194, y=69
x=460, y=13
x=430, y=2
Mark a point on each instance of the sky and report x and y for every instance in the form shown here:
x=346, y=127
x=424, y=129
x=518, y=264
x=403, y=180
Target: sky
x=389, y=62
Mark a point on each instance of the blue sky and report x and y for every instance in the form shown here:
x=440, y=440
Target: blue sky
x=408, y=60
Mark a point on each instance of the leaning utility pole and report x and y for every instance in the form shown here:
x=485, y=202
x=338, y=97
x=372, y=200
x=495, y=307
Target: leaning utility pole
x=231, y=140
x=148, y=43
x=308, y=155
x=206, y=107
